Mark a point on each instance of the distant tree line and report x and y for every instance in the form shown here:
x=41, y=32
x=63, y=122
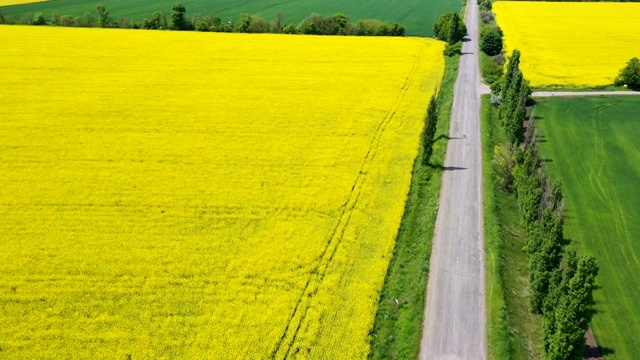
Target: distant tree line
x=561, y=282
x=314, y=24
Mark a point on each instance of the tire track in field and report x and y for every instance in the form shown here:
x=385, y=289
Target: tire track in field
x=285, y=344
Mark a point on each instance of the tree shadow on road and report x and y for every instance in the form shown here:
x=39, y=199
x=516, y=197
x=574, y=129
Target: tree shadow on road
x=446, y=168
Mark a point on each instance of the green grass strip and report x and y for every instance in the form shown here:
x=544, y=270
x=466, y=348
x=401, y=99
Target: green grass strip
x=497, y=332
x=513, y=332
x=398, y=326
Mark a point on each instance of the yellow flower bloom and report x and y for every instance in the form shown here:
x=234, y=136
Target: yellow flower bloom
x=574, y=44
x=171, y=194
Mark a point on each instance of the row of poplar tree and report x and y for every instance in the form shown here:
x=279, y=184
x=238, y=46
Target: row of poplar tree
x=561, y=281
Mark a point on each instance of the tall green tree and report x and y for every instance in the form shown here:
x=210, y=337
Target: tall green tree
x=567, y=309
x=103, y=15
x=450, y=28
x=513, y=66
x=430, y=124
x=178, y=18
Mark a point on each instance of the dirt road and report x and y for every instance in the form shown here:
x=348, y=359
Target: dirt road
x=454, y=326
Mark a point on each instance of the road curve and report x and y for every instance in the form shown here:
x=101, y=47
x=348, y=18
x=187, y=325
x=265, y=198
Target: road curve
x=584, y=93
x=454, y=326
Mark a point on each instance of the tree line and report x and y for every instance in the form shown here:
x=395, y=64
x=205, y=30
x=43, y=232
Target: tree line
x=314, y=24
x=561, y=281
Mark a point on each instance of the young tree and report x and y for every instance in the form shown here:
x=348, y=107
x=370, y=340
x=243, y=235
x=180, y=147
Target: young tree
x=430, y=124
x=630, y=75
x=103, y=15
x=503, y=165
x=278, y=25
x=39, y=19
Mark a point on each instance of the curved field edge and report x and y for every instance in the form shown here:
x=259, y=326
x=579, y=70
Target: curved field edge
x=398, y=324
x=513, y=332
x=130, y=201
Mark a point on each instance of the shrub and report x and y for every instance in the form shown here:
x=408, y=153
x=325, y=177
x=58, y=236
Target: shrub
x=491, y=41
x=630, y=75
x=26, y=19
x=66, y=20
x=201, y=26
x=452, y=50
x=55, y=18
x=123, y=23
x=485, y=5
x=491, y=72
x=496, y=99
x=487, y=16
x=499, y=59
x=290, y=29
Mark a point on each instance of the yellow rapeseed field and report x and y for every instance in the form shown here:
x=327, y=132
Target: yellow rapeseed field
x=198, y=195
x=570, y=44
x=18, y=2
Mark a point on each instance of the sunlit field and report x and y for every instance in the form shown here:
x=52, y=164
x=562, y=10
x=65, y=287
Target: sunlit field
x=200, y=195
x=417, y=16
x=18, y=2
x=591, y=145
x=570, y=44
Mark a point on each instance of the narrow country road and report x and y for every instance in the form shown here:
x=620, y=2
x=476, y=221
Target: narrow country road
x=454, y=326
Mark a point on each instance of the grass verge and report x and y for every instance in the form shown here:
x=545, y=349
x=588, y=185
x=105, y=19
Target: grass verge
x=580, y=88
x=398, y=326
x=513, y=332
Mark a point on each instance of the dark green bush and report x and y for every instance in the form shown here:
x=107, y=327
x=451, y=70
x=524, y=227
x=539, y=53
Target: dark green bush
x=452, y=50
x=491, y=72
x=491, y=41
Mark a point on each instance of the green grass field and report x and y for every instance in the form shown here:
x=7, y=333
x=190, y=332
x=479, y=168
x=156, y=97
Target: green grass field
x=592, y=146
x=417, y=16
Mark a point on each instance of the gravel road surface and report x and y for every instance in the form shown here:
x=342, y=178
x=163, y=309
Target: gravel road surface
x=454, y=326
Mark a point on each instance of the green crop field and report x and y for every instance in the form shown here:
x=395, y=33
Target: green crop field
x=592, y=146
x=417, y=16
